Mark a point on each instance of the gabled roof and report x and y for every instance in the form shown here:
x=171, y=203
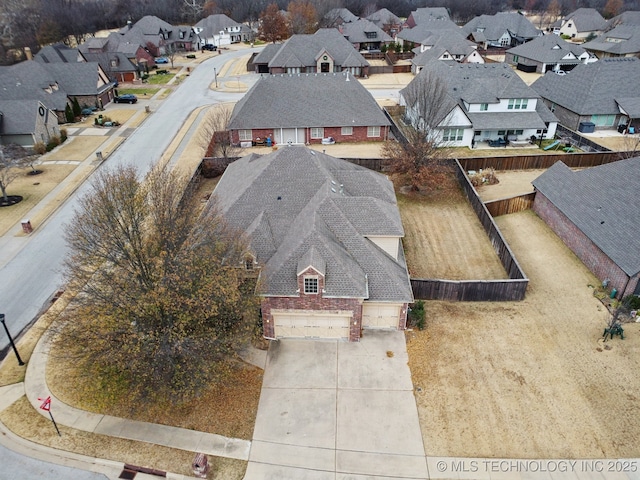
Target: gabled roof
x=307, y=100
x=336, y=15
x=304, y=49
x=494, y=26
x=32, y=80
x=625, y=18
x=428, y=28
x=214, y=24
x=602, y=202
x=58, y=53
x=548, y=49
x=77, y=79
x=599, y=84
x=622, y=40
x=425, y=14
x=384, y=17
x=440, y=42
x=356, y=32
x=268, y=52
x=586, y=20
x=18, y=116
x=309, y=205
x=149, y=29
x=111, y=62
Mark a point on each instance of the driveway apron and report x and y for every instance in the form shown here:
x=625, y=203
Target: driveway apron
x=337, y=410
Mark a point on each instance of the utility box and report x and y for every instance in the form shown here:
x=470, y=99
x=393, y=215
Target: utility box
x=26, y=226
x=200, y=465
x=587, y=127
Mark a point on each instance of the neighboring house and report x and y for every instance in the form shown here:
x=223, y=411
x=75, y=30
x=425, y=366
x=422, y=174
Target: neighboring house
x=581, y=24
x=56, y=84
x=593, y=212
x=426, y=14
x=481, y=103
x=115, y=66
x=629, y=17
x=338, y=16
x=428, y=29
x=548, y=53
x=504, y=29
x=365, y=35
x=305, y=108
x=26, y=122
x=387, y=21
x=447, y=46
x=604, y=93
x=221, y=30
x=150, y=32
x=140, y=56
x=622, y=41
x=325, y=51
x=325, y=236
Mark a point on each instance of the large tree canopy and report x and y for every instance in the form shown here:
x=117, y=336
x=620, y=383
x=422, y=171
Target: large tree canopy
x=159, y=285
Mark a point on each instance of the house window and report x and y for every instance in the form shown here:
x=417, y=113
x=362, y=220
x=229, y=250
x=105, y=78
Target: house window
x=245, y=135
x=484, y=107
x=452, y=134
x=248, y=262
x=518, y=104
x=501, y=132
x=346, y=131
x=370, y=34
x=603, y=120
x=515, y=58
x=317, y=132
x=310, y=285
x=373, y=131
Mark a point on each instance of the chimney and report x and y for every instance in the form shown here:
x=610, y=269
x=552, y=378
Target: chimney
x=129, y=24
x=28, y=54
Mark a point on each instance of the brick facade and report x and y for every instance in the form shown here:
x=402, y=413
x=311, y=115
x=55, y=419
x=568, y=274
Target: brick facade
x=593, y=258
x=359, y=134
x=316, y=302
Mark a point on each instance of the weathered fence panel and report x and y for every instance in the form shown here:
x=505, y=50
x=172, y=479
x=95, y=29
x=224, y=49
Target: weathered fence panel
x=527, y=162
x=505, y=206
x=469, y=290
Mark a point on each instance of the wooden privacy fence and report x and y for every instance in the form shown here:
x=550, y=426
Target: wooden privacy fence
x=526, y=162
x=506, y=206
x=510, y=289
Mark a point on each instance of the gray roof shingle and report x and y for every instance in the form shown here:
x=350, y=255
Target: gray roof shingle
x=622, y=40
x=364, y=31
x=602, y=202
x=307, y=100
x=587, y=20
x=310, y=223
x=494, y=26
x=384, y=17
x=548, y=49
x=599, y=84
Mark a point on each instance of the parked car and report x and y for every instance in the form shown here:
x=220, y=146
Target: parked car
x=161, y=60
x=88, y=110
x=126, y=98
x=210, y=46
x=561, y=72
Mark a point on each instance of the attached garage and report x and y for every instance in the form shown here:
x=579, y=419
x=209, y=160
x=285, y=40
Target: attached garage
x=381, y=315
x=311, y=324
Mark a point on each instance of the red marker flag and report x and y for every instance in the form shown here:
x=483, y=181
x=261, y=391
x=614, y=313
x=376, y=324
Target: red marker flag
x=46, y=405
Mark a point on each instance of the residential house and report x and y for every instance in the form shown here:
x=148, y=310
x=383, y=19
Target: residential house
x=325, y=236
x=444, y=45
x=602, y=95
x=115, y=66
x=581, y=24
x=621, y=41
x=221, y=30
x=324, y=51
x=593, y=212
x=387, y=21
x=504, y=29
x=307, y=108
x=629, y=17
x=26, y=122
x=481, y=102
x=548, y=53
x=104, y=49
x=426, y=14
x=151, y=32
x=338, y=16
x=365, y=35
x=429, y=27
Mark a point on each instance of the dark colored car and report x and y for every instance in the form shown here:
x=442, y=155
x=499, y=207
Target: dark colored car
x=126, y=98
x=210, y=46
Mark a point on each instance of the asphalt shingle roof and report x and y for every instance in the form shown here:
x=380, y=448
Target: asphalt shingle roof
x=307, y=100
x=18, y=116
x=622, y=40
x=307, y=203
x=425, y=14
x=356, y=32
x=214, y=24
x=304, y=50
x=384, y=17
x=599, y=84
x=587, y=20
x=496, y=25
x=548, y=49
x=602, y=202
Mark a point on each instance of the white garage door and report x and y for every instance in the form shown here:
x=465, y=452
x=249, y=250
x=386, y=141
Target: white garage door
x=380, y=315
x=311, y=325
x=288, y=135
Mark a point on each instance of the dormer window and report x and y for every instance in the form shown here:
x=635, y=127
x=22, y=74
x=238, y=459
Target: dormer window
x=310, y=285
x=370, y=34
x=249, y=262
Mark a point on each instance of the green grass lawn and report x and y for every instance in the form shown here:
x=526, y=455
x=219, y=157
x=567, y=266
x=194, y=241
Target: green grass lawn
x=140, y=92
x=161, y=79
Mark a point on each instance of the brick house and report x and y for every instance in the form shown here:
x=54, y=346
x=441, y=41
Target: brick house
x=307, y=108
x=325, y=236
x=593, y=212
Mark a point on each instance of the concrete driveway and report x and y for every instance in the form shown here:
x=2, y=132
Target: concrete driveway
x=337, y=410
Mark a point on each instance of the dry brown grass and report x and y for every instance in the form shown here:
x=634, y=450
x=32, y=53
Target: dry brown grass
x=528, y=379
x=21, y=419
x=75, y=148
x=444, y=239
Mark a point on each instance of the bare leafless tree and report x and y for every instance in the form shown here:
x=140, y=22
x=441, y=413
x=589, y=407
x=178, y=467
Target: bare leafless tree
x=13, y=159
x=214, y=135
